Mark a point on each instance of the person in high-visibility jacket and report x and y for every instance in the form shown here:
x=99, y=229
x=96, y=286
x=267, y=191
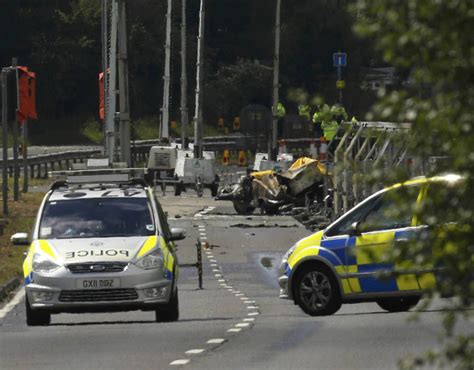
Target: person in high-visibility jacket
x=329, y=129
x=281, y=111
x=303, y=110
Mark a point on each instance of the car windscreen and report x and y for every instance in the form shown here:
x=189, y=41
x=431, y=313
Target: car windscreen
x=96, y=217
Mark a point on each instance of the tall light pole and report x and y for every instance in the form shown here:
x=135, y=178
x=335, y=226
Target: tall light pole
x=165, y=123
x=199, y=79
x=276, y=72
x=184, y=79
x=117, y=114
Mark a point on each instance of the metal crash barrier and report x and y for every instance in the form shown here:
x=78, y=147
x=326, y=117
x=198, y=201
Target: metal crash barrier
x=358, y=150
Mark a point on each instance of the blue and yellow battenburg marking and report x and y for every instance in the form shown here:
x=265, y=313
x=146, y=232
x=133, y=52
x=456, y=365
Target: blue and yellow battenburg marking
x=359, y=260
x=168, y=258
x=38, y=246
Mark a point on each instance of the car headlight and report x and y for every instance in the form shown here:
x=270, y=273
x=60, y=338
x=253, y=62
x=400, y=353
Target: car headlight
x=153, y=260
x=42, y=263
x=288, y=253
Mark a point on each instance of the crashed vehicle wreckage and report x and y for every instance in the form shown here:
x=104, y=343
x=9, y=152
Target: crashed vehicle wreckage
x=270, y=191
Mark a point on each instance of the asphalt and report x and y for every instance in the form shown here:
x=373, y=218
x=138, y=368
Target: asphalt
x=238, y=311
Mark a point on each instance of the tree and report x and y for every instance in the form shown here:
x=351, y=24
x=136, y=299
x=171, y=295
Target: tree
x=432, y=41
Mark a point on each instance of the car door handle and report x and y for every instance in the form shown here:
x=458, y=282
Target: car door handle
x=402, y=240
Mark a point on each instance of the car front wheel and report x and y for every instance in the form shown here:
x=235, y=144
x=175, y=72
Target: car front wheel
x=36, y=317
x=395, y=304
x=316, y=291
x=170, y=311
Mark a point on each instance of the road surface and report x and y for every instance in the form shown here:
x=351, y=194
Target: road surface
x=236, y=322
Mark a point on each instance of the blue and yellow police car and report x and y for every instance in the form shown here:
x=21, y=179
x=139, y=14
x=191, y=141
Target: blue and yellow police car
x=350, y=262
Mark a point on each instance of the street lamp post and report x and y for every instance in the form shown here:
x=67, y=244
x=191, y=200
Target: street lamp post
x=276, y=71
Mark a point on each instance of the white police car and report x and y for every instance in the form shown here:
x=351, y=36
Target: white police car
x=100, y=243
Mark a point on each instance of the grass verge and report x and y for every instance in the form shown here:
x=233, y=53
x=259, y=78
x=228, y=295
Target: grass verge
x=21, y=217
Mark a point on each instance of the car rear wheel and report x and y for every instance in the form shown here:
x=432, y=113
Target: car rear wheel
x=395, y=304
x=243, y=208
x=36, y=317
x=170, y=311
x=316, y=291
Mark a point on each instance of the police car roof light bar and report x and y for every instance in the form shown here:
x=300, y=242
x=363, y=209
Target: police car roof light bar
x=98, y=176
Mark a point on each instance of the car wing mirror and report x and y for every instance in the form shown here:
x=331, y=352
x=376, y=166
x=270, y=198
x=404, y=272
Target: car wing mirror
x=178, y=233
x=20, y=239
x=355, y=229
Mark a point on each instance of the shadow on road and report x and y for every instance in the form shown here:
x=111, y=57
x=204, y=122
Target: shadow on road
x=120, y=322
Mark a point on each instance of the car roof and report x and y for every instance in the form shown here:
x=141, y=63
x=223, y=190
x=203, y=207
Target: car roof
x=102, y=192
x=446, y=178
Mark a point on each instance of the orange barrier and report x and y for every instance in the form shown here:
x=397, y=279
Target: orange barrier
x=226, y=158
x=242, y=159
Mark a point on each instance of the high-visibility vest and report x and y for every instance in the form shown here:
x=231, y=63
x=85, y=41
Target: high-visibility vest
x=316, y=117
x=329, y=129
x=281, y=111
x=303, y=110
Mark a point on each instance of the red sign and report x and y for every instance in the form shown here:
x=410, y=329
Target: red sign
x=27, y=94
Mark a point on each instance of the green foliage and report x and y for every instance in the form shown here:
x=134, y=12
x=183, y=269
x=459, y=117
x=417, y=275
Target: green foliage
x=235, y=86
x=93, y=131
x=61, y=42
x=432, y=41
x=145, y=129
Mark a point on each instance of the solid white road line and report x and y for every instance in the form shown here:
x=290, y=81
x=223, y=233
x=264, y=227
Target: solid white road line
x=10, y=305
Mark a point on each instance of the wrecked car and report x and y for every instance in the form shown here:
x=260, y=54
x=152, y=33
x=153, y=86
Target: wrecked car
x=269, y=190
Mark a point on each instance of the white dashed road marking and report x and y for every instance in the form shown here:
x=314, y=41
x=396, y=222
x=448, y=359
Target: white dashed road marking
x=234, y=330
x=180, y=362
x=220, y=279
x=194, y=351
x=242, y=325
x=216, y=341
